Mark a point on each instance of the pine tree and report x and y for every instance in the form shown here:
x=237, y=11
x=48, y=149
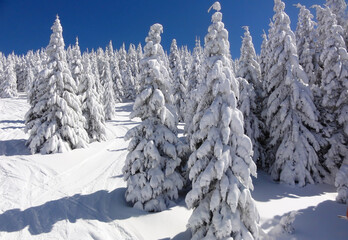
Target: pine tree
x=306, y=35
x=178, y=81
x=133, y=68
x=292, y=117
x=339, y=8
x=334, y=105
x=195, y=72
x=194, y=80
x=249, y=74
x=75, y=64
x=341, y=183
x=8, y=83
x=263, y=62
x=128, y=82
x=186, y=63
x=132, y=60
x=21, y=73
x=221, y=163
x=151, y=168
x=95, y=71
x=92, y=110
x=115, y=73
x=248, y=67
x=55, y=120
x=110, y=50
x=108, y=86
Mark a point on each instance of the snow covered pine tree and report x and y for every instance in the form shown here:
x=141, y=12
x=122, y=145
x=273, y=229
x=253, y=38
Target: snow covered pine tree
x=221, y=162
x=91, y=108
x=8, y=81
x=178, y=81
x=249, y=76
x=292, y=117
x=334, y=105
x=151, y=168
x=55, y=120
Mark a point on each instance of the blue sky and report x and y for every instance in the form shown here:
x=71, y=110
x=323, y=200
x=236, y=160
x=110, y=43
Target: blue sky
x=25, y=24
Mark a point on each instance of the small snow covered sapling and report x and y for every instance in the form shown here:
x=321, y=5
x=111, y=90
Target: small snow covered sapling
x=151, y=167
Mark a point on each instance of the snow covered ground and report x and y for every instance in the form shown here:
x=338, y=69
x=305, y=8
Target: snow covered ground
x=80, y=194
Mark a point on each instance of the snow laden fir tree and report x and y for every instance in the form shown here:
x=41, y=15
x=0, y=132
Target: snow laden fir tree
x=8, y=81
x=178, y=81
x=54, y=121
x=221, y=162
x=92, y=110
x=334, y=87
x=292, y=117
x=249, y=75
x=151, y=167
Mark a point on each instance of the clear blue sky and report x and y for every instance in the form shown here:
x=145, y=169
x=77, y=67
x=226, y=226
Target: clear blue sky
x=25, y=24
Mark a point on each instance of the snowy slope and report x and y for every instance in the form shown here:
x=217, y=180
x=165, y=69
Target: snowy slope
x=80, y=194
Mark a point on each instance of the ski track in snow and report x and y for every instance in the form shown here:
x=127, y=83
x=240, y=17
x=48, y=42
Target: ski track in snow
x=80, y=194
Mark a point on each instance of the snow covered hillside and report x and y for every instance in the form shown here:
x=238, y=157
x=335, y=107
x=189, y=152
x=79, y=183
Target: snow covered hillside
x=80, y=194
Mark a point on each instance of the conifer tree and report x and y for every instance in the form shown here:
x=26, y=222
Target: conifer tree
x=8, y=81
x=194, y=80
x=95, y=71
x=110, y=50
x=186, y=63
x=248, y=67
x=249, y=74
x=195, y=73
x=132, y=60
x=334, y=104
x=151, y=168
x=55, y=119
x=339, y=8
x=306, y=35
x=292, y=117
x=76, y=66
x=127, y=80
x=92, y=110
x=133, y=68
x=139, y=54
x=109, y=94
x=178, y=81
x=341, y=183
x=21, y=73
x=263, y=60
x=221, y=163
x=115, y=72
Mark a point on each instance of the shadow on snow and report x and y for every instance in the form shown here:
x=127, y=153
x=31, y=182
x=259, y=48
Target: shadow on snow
x=309, y=220
x=266, y=189
x=103, y=206
x=14, y=147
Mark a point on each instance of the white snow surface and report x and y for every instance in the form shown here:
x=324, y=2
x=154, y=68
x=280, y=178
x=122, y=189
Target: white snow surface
x=80, y=194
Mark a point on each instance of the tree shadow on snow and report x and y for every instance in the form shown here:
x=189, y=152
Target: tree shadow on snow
x=103, y=206
x=125, y=108
x=14, y=147
x=123, y=123
x=12, y=122
x=266, y=189
x=319, y=222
